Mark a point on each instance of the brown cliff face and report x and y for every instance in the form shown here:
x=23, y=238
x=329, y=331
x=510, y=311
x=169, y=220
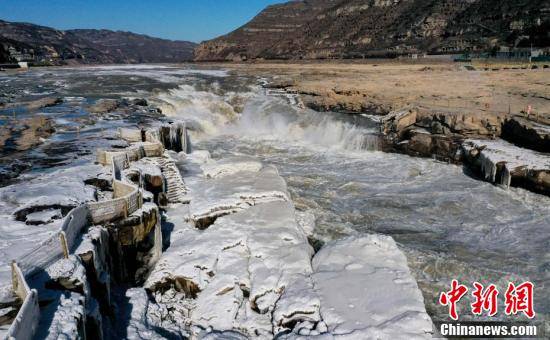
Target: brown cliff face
x=89, y=46
x=317, y=29
x=269, y=35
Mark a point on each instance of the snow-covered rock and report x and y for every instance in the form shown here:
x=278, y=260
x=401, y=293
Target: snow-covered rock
x=212, y=198
x=68, y=274
x=43, y=217
x=146, y=168
x=500, y=162
x=367, y=291
x=249, y=271
x=137, y=312
x=64, y=319
x=306, y=220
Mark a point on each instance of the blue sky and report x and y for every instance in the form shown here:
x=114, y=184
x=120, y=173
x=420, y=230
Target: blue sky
x=193, y=20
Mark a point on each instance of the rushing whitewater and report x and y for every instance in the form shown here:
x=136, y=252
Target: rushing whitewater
x=449, y=224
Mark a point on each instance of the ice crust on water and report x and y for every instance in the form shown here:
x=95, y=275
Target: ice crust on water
x=251, y=272
x=63, y=187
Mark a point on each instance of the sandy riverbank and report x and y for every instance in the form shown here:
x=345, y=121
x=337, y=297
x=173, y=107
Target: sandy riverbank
x=387, y=85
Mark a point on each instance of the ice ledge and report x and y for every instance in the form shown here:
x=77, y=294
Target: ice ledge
x=367, y=291
x=503, y=163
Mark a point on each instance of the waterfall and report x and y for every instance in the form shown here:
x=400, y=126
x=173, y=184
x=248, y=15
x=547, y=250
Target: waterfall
x=262, y=116
x=267, y=117
x=175, y=137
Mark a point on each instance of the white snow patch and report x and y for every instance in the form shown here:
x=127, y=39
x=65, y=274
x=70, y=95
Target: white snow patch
x=367, y=290
x=220, y=196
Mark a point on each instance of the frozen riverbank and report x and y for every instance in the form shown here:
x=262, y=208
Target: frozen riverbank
x=237, y=263
x=239, y=260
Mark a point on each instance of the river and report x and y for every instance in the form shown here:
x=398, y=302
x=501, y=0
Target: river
x=450, y=224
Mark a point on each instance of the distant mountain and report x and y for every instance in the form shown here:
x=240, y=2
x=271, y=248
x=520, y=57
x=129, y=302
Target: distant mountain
x=25, y=41
x=312, y=29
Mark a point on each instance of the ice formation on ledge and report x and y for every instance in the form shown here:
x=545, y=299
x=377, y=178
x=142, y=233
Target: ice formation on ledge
x=367, y=290
x=238, y=270
x=513, y=160
x=212, y=198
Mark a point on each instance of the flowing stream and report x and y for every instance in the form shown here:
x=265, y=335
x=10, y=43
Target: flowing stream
x=449, y=224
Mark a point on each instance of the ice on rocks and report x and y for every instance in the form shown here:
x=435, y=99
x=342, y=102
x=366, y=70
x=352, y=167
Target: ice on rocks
x=43, y=217
x=298, y=303
x=367, y=291
x=146, y=168
x=306, y=220
x=492, y=153
x=37, y=200
x=94, y=248
x=67, y=318
x=216, y=335
x=68, y=274
x=64, y=187
x=216, y=197
x=240, y=267
x=138, y=326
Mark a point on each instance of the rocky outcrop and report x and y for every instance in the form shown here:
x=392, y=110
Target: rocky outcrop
x=527, y=133
x=23, y=134
x=502, y=163
x=89, y=46
x=39, y=103
x=322, y=29
x=471, y=139
x=338, y=100
x=104, y=106
x=426, y=133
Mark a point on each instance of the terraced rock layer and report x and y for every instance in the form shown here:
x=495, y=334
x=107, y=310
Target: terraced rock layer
x=318, y=29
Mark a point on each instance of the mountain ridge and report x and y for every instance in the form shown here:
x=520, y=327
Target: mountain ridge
x=42, y=44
